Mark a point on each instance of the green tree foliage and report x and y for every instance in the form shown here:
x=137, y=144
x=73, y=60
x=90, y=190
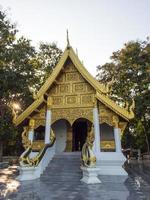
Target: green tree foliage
x=130, y=70
x=22, y=68
x=48, y=56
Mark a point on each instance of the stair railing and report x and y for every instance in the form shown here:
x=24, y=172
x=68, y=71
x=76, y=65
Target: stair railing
x=25, y=160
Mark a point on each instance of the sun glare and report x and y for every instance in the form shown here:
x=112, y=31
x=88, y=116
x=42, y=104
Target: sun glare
x=16, y=106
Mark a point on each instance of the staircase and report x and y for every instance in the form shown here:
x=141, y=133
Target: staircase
x=64, y=167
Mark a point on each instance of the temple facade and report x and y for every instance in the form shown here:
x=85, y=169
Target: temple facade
x=64, y=111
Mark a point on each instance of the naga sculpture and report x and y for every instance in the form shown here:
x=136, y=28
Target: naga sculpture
x=87, y=156
x=25, y=160
x=25, y=140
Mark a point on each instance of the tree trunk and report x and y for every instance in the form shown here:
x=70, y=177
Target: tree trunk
x=147, y=142
x=146, y=136
x=1, y=151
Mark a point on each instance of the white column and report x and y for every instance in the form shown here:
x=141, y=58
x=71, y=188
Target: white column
x=31, y=135
x=31, y=130
x=96, y=146
x=117, y=139
x=48, y=126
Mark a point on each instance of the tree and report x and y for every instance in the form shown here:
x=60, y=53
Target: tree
x=130, y=71
x=22, y=67
x=7, y=37
x=16, y=74
x=47, y=57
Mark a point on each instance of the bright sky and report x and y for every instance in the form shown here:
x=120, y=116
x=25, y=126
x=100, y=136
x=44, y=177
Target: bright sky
x=96, y=27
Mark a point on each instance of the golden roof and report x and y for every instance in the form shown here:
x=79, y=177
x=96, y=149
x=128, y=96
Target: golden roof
x=100, y=88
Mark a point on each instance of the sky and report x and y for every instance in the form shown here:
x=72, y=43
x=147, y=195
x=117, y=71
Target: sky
x=96, y=27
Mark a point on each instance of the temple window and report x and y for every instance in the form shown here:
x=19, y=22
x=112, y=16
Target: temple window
x=107, y=138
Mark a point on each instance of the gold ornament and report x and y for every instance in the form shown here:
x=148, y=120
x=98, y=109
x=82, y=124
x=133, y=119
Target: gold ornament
x=49, y=102
x=31, y=123
x=87, y=155
x=26, y=160
x=25, y=141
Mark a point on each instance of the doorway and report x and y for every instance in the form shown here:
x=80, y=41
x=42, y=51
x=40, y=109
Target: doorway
x=60, y=129
x=79, y=129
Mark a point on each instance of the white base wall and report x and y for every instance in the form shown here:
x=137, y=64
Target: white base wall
x=111, y=163
x=31, y=173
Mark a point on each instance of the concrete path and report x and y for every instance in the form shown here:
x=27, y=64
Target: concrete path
x=136, y=187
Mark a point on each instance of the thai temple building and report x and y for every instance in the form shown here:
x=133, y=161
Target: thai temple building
x=72, y=114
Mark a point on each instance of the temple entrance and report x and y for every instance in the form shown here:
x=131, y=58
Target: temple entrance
x=79, y=129
x=60, y=128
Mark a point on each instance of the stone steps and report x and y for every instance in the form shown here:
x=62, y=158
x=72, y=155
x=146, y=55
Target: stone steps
x=64, y=167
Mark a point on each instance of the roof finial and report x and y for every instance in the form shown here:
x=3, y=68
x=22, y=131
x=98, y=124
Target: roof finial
x=77, y=51
x=68, y=43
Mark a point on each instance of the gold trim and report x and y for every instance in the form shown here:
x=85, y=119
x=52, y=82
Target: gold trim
x=113, y=106
x=100, y=88
x=90, y=79
x=83, y=71
x=108, y=144
x=49, y=102
x=54, y=74
x=88, y=159
x=31, y=124
x=25, y=140
x=37, y=145
x=25, y=159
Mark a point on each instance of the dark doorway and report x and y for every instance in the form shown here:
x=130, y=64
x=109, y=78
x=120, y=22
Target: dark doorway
x=80, y=128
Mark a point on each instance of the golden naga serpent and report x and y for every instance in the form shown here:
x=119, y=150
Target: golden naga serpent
x=87, y=156
x=25, y=160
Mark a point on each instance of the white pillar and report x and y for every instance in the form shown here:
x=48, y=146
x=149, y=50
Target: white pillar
x=31, y=130
x=31, y=135
x=117, y=139
x=48, y=126
x=96, y=146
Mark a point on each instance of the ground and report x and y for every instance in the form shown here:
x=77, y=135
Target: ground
x=136, y=186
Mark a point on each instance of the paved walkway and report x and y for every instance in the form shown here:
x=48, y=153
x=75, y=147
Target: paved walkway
x=136, y=187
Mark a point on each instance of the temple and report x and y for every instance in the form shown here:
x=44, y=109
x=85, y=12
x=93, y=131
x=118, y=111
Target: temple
x=69, y=106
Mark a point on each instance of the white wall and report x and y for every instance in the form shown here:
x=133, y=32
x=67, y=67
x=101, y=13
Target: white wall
x=60, y=130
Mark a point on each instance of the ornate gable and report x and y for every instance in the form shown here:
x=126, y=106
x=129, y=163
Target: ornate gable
x=71, y=89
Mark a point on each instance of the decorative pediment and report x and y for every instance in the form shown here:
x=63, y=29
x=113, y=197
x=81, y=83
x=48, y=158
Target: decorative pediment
x=71, y=86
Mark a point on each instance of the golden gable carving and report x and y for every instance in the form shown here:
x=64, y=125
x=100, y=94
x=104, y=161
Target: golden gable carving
x=71, y=99
x=79, y=87
x=110, y=117
x=57, y=100
x=87, y=99
x=71, y=114
x=72, y=76
x=64, y=88
x=71, y=71
x=73, y=90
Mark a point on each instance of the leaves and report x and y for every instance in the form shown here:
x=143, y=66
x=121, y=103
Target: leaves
x=47, y=57
x=130, y=68
x=22, y=67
